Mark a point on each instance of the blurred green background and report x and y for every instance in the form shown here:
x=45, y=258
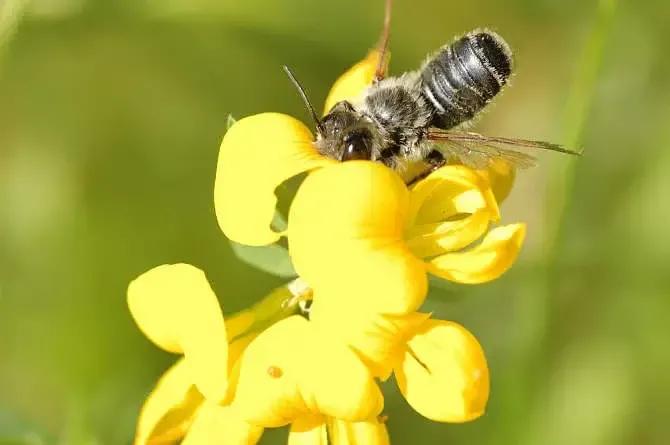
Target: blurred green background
x=111, y=114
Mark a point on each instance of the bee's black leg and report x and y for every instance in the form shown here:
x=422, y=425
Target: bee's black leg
x=383, y=44
x=388, y=156
x=435, y=160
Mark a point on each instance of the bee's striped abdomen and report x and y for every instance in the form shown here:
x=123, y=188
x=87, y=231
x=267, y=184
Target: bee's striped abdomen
x=464, y=76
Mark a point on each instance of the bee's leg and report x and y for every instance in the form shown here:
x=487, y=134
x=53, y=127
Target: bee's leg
x=434, y=159
x=383, y=44
x=388, y=156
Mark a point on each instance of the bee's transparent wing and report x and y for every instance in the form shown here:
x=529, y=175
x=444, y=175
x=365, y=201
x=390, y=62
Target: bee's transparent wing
x=477, y=151
x=479, y=156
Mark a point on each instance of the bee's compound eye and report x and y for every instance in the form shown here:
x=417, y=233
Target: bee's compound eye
x=356, y=148
x=352, y=153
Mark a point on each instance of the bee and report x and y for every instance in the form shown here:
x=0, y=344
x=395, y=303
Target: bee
x=416, y=116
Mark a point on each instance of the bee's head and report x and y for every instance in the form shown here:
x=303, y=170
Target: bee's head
x=343, y=134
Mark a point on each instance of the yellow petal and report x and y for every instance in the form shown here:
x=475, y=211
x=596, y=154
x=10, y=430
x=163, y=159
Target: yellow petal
x=235, y=351
x=257, y=154
x=308, y=430
x=239, y=323
x=350, y=85
x=215, y=424
x=345, y=237
x=290, y=371
x=372, y=432
x=427, y=240
x=377, y=338
x=444, y=375
x=176, y=308
x=353, y=199
x=500, y=174
x=168, y=411
x=369, y=277
x=485, y=262
x=448, y=192
x=238, y=346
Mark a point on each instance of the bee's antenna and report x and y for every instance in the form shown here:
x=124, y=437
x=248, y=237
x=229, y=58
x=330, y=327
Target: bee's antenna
x=308, y=104
x=383, y=44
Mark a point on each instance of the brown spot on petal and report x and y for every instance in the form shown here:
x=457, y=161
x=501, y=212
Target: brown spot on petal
x=275, y=372
x=383, y=418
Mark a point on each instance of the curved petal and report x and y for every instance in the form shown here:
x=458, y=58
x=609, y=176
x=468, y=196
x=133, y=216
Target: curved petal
x=308, y=430
x=176, y=309
x=444, y=375
x=368, y=276
x=345, y=238
x=169, y=410
x=353, y=200
x=448, y=192
x=257, y=154
x=235, y=351
x=350, y=85
x=372, y=432
x=221, y=425
x=500, y=175
x=485, y=262
x=427, y=240
x=239, y=323
x=377, y=338
x=290, y=370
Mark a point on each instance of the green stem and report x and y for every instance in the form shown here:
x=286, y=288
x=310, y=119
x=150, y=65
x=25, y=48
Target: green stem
x=280, y=303
x=541, y=301
x=577, y=109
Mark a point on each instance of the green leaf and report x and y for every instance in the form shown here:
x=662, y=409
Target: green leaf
x=273, y=259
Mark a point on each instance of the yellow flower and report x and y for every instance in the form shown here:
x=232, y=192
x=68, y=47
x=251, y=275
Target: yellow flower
x=221, y=425
x=169, y=411
x=439, y=366
x=355, y=229
x=176, y=411
x=176, y=309
x=287, y=373
x=500, y=175
x=291, y=371
x=365, y=244
x=257, y=154
x=260, y=152
x=443, y=373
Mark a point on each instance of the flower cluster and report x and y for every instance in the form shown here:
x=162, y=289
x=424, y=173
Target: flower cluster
x=365, y=244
